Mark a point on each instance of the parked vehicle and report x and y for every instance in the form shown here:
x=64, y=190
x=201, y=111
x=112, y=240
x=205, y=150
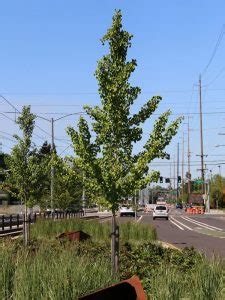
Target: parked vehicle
x=126, y=211
x=161, y=211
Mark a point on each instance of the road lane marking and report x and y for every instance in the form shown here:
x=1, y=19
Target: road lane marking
x=176, y=224
x=189, y=228
x=201, y=224
x=140, y=219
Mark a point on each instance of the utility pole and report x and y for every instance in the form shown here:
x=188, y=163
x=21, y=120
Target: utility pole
x=52, y=168
x=83, y=195
x=189, y=158
x=135, y=203
x=182, y=167
x=178, y=154
x=201, y=135
x=174, y=174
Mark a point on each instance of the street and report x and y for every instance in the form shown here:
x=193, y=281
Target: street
x=204, y=232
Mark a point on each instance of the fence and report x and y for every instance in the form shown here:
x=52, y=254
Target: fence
x=9, y=223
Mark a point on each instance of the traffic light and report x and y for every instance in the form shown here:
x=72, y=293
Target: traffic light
x=161, y=179
x=179, y=179
x=167, y=180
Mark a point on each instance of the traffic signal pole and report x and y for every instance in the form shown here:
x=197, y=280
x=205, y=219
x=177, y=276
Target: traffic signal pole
x=182, y=167
x=52, y=168
x=178, y=154
x=201, y=134
x=189, y=156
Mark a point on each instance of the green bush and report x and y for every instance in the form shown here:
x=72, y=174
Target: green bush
x=172, y=274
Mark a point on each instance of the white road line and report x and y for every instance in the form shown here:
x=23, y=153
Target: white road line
x=176, y=224
x=201, y=224
x=140, y=219
x=189, y=228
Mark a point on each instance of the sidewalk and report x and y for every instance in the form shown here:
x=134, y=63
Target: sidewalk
x=216, y=212
x=97, y=215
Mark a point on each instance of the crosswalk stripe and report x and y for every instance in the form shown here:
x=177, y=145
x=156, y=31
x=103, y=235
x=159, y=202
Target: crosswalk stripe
x=176, y=224
x=201, y=224
x=189, y=228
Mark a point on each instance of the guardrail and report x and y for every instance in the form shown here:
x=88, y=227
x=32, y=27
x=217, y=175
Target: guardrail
x=10, y=221
x=14, y=223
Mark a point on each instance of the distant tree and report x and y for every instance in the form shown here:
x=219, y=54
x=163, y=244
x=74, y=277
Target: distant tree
x=108, y=155
x=216, y=190
x=3, y=166
x=45, y=149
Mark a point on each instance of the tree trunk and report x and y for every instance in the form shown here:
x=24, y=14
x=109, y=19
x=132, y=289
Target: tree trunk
x=25, y=227
x=115, y=246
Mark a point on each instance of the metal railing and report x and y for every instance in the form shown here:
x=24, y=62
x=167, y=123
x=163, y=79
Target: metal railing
x=14, y=222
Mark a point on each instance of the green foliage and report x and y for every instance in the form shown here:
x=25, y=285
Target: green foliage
x=108, y=157
x=49, y=229
x=25, y=173
x=68, y=181
x=54, y=270
x=173, y=274
x=216, y=192
x=50, y=271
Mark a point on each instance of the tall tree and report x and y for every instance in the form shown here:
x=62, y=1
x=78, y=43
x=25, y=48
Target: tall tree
x=109, y=156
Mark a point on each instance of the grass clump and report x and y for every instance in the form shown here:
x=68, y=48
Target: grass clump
x=173, y=274
x=99, y=232
x=50, y=269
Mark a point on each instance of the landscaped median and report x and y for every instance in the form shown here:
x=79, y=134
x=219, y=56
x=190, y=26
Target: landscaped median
x=53, y=269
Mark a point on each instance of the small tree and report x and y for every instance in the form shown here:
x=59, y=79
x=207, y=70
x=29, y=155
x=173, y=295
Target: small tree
x=68, y=182
x=216, y=191
x=109, y=157
x=24, y=171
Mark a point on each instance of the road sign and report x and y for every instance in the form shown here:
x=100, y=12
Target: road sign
x=199, y=181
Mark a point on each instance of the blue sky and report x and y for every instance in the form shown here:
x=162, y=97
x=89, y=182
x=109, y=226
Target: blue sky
x=49, y=51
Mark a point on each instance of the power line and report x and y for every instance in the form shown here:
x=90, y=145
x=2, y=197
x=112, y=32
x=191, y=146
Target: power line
x=219, y=40
x=154, y=114
x=3, y=114
x=9, y=103
x=215, y=78
x=94, y=93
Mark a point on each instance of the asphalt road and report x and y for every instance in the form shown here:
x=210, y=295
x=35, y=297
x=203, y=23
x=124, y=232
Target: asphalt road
x=204, y=232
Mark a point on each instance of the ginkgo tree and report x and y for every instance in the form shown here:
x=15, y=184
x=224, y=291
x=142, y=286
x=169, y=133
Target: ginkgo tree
x=108, y=154
x=25, y=173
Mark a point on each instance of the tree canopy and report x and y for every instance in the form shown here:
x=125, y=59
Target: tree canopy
x=108, y=155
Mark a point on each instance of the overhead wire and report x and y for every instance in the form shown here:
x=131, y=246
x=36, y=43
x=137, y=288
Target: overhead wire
x=216, y=47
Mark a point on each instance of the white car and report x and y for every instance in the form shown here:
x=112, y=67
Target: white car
x=126, y=211
x=160, y=211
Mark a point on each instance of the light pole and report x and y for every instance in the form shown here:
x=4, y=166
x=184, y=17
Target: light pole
x=52, y=121
x=83, y=195
x=135, y=203
x=178, y=156
x=219, y=170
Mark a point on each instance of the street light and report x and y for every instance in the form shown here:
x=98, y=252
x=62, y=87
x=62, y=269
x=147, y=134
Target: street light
x=219, y=170
x=52, y=121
